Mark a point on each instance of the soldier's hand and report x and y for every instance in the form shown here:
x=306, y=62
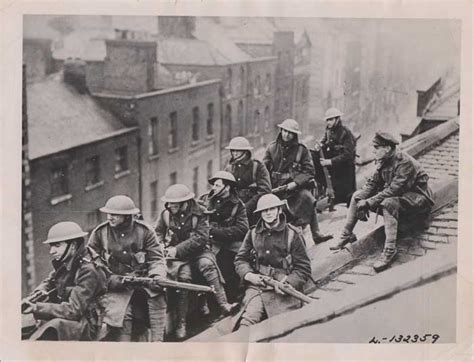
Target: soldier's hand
x=278, y=290
x=362, y=205
x=292, y=185
x=325, y=162
x=153, y=285
x=255, y=279
x=317, y=146
x=171, y=252
x=115, y=283
x=28, y=307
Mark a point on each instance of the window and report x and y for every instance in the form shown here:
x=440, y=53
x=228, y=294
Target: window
x=210, y=119
x=209, y=169
x=256, y=121
x=173, y=178
x=196, y=180
x=228, y=123
x=121, y=159
x=153, y=136
x=59, y=180
x=229, y=81
x=154, y=199
x=240, y=118
x=173, y=133
x=92, y=171
x=195, y=125
x=257, y=85
x=268, y=83
x=242, y=79
x=266, y=116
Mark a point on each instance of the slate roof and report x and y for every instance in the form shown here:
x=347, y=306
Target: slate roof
x=60, y=118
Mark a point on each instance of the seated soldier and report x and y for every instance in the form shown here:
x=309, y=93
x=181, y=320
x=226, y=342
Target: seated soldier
x=290, y=165
x=272, y=248
x=66, y=306
x=398, y=187
x=228, y=225
x=252, y=177
x=130, y=247
x=183, y=229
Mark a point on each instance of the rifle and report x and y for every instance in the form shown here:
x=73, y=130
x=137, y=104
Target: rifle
x=279, y=189
x=166, y=283
x=35, y=297
x=329, y=186
x=288, y=289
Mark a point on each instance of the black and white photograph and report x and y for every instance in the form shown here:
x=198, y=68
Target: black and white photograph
x=194, y=179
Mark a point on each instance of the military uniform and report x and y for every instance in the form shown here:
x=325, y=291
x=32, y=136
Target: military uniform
x=131, y=248
x=188, y=232
x=281, y=161
x=70, y=312
x=398, y=188
x=253, y=181
x=279, y=253
x=228, y=226
x=339, y=146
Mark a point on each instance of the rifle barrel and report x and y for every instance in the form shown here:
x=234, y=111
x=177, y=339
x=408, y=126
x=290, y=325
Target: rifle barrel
x=288, y=289
x=167, y=283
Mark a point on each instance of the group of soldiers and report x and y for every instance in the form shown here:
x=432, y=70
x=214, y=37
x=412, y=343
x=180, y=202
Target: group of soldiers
x=245, y=241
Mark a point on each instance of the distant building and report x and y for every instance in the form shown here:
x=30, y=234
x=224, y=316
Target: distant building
x=79, y=156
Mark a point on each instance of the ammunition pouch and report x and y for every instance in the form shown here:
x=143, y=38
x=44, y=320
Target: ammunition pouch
x=269, y=271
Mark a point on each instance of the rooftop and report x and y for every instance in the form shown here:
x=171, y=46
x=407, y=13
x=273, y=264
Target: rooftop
x=60, y=118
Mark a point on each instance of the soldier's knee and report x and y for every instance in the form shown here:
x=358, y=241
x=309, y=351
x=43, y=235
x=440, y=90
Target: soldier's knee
x=391, y=203
x=205, y=264
x=356, y=195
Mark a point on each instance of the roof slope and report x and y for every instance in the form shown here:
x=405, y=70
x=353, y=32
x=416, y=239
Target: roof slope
x=60, y=118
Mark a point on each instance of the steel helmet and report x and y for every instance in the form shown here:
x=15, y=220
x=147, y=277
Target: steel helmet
x=120, y=205
x=332, y=112
x=223, y=175
x=177, y=193
x=290, y=125
x=239, y=144
x=63, y=231
x=267, y=202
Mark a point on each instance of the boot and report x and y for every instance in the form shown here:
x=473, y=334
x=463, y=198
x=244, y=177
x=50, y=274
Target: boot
x=317, y=236
x=181, y=314
x=385, y=259
x=221, y=298
x=346, y=238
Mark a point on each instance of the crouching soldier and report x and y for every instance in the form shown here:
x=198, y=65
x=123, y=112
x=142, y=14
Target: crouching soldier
x=130, y=247
x=399, y=187
x=228, y=225
x=291, y=169
x=64, y=304
x=252, y=177
x=273, y=248
x=184, y=230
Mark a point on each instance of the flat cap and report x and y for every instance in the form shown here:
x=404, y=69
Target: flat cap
x=384, y=139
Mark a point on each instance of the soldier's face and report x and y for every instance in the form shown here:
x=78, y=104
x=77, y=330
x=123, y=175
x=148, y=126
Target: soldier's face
x=287, y=136
x=331, y=122
x=174, y=207
x=270, y=215
x=237, y=153
x=380, y=152
x=218, y=186
x=56, y=250
x=115, y=219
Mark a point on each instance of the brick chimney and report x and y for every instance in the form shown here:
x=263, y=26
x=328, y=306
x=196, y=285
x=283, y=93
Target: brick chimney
x=74, y=73
x=129, y=66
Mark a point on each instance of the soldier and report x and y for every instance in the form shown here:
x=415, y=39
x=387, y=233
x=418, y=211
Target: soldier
x=228, y=225
x=272, y=248
x=253, y=179
x=130, y=247
x=339, y=149
x=72, y=288
x=398, y=187
x=290, y=165
x=184, y=230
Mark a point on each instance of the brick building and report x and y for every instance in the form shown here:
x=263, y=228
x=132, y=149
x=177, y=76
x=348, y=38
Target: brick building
x=79, y=156
x=179, y=128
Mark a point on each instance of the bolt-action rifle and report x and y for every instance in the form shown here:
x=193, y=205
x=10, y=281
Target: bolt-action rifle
x=35, y=297
x=287, y=289
x=165, y=283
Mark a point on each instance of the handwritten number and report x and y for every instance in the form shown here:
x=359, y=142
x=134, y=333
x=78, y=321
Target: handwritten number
x=407, y=339
x=415, y=338
x=435, y=338
x=399, y=339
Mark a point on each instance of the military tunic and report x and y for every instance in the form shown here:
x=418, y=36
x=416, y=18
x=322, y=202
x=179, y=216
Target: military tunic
x=275, y=256
x=71, y=309
x=280, y=160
